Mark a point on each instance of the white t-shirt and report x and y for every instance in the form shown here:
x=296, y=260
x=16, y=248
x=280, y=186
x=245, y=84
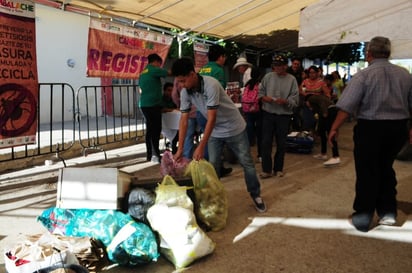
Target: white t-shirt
x=247, y=75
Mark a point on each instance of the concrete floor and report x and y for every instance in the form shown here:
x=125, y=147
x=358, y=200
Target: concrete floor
x=304, y=230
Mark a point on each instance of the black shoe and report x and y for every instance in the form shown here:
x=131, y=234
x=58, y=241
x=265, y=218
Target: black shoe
x=225, y=171
x=361, y=221
x=259, y=204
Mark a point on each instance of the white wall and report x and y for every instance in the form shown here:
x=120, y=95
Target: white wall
x=61, y=35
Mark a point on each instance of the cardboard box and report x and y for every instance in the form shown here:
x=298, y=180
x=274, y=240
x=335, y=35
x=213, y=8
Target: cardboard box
x=91, y=188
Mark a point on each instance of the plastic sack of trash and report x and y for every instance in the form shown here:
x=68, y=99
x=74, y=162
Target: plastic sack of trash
x=168, y=192
x=139, y=201
x=182, y=240
x=171, y=167
x=211, y=201
x=127, y=242
x=31, y=253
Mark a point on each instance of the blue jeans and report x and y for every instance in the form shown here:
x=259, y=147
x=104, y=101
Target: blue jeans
x=201, y=121
x=190, y=134
x=278, y=126
x=239, y=144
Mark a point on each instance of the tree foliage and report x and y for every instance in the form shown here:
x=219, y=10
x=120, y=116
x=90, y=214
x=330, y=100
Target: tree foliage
x=339, y=53
x=345, y=53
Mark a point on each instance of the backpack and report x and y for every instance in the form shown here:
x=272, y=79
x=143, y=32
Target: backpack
x=250, y=101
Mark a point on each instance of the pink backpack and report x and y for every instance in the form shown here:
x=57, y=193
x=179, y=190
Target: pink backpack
x=250, y=102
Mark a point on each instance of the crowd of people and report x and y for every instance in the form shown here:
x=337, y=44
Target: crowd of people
x=288, y=98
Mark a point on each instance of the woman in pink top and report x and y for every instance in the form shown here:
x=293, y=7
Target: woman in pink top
x=312, y=85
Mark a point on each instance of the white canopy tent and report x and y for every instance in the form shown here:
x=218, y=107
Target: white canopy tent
x=253, y=22
x=349, y=21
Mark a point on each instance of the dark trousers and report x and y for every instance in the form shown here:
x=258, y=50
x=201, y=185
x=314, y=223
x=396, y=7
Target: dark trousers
x=376, y=144
x=308, y=120
x=254, y=129
x=153, y=119
x=277, y=126
x=324, y=126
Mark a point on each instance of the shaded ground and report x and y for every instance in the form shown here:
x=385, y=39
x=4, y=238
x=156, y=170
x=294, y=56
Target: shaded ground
x=304, y=230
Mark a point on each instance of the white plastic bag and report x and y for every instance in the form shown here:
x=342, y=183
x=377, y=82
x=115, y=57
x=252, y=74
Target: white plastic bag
x=182, y=240
x=34, y=252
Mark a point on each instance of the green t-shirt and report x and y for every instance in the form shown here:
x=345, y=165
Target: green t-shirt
x=151, y=86
x=214, y=70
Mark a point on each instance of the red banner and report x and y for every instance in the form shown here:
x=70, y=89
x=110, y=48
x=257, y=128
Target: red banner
x=18, y=73
x=200, y=51
x=118, y=51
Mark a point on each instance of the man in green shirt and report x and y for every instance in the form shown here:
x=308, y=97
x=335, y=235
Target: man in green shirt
x=214, y=68
x=151, y=104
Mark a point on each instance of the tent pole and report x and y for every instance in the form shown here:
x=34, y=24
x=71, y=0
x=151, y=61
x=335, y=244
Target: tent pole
x=179, y=42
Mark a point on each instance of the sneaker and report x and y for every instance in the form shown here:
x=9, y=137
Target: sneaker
x=259, y=204
x=332, y=161
x=387, y=220
x=279, y=174
x=155, y=159
x=320, y=156
x=225, y=171
x=264, y=175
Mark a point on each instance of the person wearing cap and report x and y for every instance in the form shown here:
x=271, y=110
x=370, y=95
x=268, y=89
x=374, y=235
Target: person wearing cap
x=244, y=68
x=279, y=94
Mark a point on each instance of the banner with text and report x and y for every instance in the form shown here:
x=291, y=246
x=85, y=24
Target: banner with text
x=200, y=51
x=18, y=74
x=118, y=51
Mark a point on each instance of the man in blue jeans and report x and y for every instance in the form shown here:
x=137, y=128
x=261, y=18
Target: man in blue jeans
x=225, y=124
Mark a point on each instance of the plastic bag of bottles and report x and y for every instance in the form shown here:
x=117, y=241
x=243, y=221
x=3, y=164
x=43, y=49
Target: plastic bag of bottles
x=182, y=240
x=127, y=242
x=211, y=202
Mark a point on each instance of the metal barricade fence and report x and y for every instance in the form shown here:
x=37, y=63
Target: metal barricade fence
x=107, y=114
x=55, y=124
x=93, y=116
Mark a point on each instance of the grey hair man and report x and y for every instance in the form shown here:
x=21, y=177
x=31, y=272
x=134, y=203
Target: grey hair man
x=380, y=97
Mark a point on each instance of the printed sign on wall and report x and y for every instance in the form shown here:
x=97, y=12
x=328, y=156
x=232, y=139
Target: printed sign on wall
x=18, y=74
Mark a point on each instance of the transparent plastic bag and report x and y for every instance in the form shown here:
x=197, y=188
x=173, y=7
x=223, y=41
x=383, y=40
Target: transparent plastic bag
x=170, y=193
x=127, y=242
x=139, y=201
x=182, y=240
x=211, y=201
x=169, y=166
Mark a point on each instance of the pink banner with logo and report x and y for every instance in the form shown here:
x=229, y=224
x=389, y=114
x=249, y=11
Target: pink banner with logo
x=118, y=51
x=18, y=74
